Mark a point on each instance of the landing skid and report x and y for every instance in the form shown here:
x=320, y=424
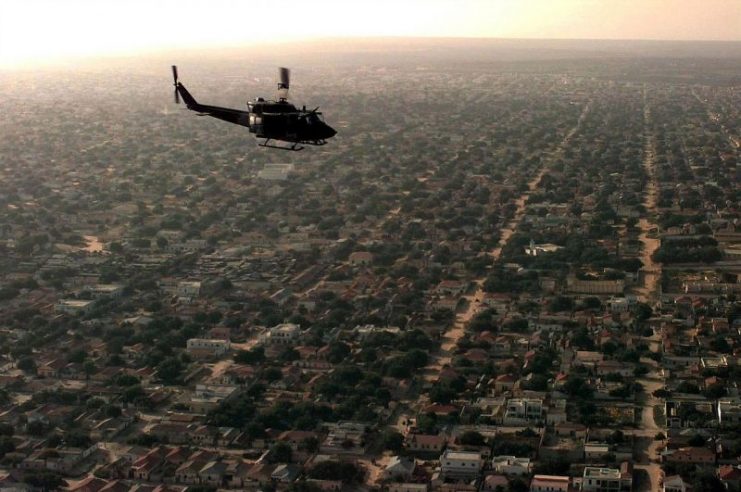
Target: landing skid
x=294, y=147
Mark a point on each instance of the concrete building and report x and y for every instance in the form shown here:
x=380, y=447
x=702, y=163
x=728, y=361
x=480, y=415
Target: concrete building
x=523, y=410
x=188, y=289
x=549, y=483
x=284, y=334
x=73, y=306
x=729, y=412
x=597, y=479
x=461, y=464
x=205, y=347
x=511, y=465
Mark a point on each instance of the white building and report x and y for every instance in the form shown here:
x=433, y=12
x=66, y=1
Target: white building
x=189, y=289
x=284, y=334
x=105, y=290
x=461, y=464
x=73, y=306
x=208, y=346
x=539, y=249
x=511, y=465
x=605, y=480
x=595, y=451
x=523, y=410
x=729, y=412
x=675, y=483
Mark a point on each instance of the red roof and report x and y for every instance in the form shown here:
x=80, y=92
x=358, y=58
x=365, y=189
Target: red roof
x=728, y=472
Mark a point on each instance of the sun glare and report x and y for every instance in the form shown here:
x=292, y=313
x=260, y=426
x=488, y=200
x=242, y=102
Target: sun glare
x=33, y=31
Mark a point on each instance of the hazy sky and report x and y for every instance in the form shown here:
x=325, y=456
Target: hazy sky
x=32, y=31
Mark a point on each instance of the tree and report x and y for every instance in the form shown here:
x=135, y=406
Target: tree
x=335, y=470
x=89, y=367
x=272, y=374
x=561, y=303
x=6, y=445
x=78, y=356
x=643, y=311
x=112, y=411
x=338, y=351
x=281, y=452
x=250, y=357
x=393, y=441
x=310, y=444
x=45, y=480
x=696, y=441
x=132, y=394
x=578, y=387
x=27, y=364
x=707, y=481
x=518, y=485
x=36, y=428
x=169, y=370
x=472, y=438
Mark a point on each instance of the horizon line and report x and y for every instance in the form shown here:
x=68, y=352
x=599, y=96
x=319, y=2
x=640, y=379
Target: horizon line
x=86, y=58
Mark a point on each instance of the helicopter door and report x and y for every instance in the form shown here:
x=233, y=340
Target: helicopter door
x=255, y=123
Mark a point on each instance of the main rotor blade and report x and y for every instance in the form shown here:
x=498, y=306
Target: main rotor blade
x=175, y=74
x=177, y=97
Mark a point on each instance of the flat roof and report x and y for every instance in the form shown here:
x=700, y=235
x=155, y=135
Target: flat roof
x=462, y=455
x=551, y=478
x=593, y=471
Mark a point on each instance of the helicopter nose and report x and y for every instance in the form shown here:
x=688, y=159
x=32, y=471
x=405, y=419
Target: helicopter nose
x=328, y=131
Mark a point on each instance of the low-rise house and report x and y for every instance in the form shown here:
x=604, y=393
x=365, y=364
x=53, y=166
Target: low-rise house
x=148, y=465
x=460, y=464
x=284, y=334
x=425, y=443
x=521, y=411
x=504, y=382
x=73, y=306
x=285, y=473
x=594, y=452
x=407, y=487
x=399, y=468
x=596, y=479
x=207, y=347
x=361, y=258
x=495, y=483
x=451, y=287
x=550, y=483
x=729, y=412
x=188, y=290
x=297, y=438
x=511, y=465
x=675, y=483
x=730, y=476
x=693, y=455
x=344, y=438
x=212, y=473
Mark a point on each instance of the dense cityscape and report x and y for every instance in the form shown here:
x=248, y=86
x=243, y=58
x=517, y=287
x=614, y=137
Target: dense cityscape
x=512, y=275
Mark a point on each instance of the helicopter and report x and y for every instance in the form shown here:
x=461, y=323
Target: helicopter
x=277, y=120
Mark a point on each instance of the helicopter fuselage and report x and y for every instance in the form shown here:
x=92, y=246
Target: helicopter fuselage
x=272, y=120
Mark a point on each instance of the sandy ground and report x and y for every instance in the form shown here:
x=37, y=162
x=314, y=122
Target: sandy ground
x=651, y=271
x=451, y=337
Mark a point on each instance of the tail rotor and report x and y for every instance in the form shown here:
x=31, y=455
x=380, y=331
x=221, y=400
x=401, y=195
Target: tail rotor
x=175, y=83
